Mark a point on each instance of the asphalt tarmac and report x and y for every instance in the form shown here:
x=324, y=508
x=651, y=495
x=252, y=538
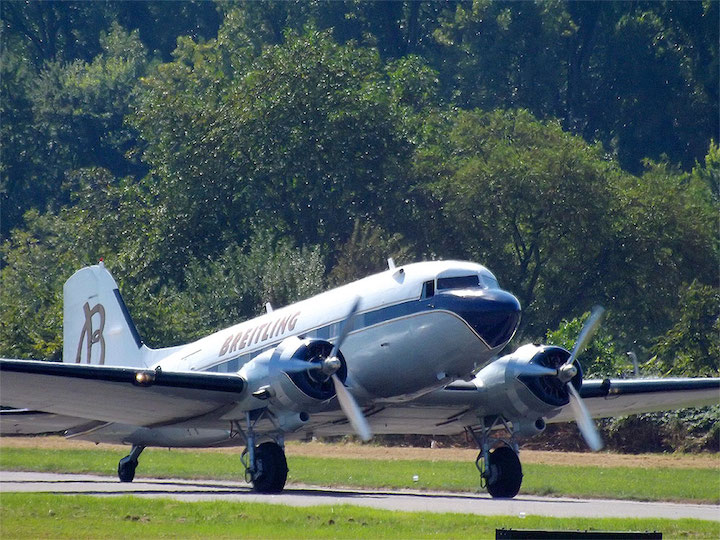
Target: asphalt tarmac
x=299, y=495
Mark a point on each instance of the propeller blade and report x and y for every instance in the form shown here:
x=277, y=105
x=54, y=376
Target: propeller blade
x=298, y=366
x=534, y=370
x=352, y=410
x=584, y=420
x=586, y=334
x=345, y=328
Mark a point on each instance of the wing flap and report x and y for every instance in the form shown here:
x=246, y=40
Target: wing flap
x=132, y=396
x=26, y=422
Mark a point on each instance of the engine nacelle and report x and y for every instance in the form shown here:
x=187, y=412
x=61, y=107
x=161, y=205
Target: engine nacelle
x=274, y=378
x=523, y=396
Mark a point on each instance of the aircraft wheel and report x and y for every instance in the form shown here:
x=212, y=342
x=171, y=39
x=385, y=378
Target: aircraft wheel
x=271, y=468
x=505, y=473
x=126, y=469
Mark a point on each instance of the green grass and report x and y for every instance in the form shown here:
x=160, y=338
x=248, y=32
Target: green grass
x=697, y=485
x=57, y=516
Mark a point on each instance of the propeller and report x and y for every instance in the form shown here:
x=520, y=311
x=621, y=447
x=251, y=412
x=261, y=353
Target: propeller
x=567, y=371
x=351, y=410
x=347, y=401
x=583, y=420
x=332, y=363
x=329, y=366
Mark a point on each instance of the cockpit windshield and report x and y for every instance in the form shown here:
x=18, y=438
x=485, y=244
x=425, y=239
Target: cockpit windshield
x=490, y=282
x=459, y=282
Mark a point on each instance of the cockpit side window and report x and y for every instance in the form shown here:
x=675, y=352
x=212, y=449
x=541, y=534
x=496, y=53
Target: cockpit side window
x=428, y=289
x=459, y=282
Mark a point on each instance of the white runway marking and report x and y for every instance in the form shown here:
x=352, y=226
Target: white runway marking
x=297, y=495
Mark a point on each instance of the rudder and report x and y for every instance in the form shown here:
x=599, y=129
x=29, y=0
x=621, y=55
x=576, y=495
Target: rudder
x=97, y=328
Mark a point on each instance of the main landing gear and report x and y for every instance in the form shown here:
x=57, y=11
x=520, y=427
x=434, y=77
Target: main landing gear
x=498, y=462
x=269, y=472
x=128, y=464
x=265, y=465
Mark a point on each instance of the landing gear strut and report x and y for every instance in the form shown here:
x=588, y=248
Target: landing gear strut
x=265, y=465
x=498, y=462
x=128, y=464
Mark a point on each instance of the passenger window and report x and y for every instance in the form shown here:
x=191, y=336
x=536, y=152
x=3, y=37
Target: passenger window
x=428, y=289
x=460, y=282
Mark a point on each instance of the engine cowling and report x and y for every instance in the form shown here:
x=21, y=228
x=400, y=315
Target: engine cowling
x=516, y=390
x=276, y=377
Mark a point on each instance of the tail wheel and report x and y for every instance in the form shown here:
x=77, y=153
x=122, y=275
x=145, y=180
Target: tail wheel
x=270, y=468
x=505, y=473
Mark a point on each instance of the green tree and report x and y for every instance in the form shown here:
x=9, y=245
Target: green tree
x=23, y=182
x=395, y=29
x=160, y=24
x=67, y=116
x=505, y=55
x=306, y=139
x=236, y=285
x=366, y=252
x=641, y=77
x=664, y=237
x=55, y=31
x=691, y=347
x=38, y=261
x=600, y=358
x=709, y=171
x=81, y=106
x=530, y=201
x=648, y=99
x=562, y=225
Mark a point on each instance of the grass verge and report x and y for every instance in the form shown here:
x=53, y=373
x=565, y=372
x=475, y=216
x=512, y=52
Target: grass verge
x=55, y=516
x=666, y=484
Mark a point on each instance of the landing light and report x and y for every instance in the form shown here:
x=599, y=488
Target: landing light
x=145, y=378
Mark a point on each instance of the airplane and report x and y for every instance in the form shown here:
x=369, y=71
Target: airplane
x=413, y=349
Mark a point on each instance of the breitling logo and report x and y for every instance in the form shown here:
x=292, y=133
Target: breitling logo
x=89, y=336
x=258, y=334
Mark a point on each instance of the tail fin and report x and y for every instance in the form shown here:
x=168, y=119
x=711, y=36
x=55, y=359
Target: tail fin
x=97, y=328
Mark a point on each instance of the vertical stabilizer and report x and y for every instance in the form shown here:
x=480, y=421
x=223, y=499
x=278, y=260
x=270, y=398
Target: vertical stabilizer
x=97, y=328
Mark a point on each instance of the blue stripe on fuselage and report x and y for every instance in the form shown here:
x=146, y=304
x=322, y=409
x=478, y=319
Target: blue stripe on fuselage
x=493, y=314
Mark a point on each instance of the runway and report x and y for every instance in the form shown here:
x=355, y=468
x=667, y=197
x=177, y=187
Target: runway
x=298, y=495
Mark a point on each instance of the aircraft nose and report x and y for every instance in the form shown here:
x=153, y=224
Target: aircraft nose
x=494, y=314
x=498, y=317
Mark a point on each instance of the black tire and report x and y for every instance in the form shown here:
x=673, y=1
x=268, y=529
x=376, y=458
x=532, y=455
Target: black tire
x=271, y=468
x=126, y=469
x=505, y=473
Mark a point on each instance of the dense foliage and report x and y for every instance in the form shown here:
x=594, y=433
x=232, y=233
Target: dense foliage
x=222, y=155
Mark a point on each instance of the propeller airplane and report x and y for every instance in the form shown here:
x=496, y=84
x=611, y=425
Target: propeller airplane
x=414, y=349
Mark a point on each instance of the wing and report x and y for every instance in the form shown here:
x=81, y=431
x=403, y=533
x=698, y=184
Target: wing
x=622, y=397
x=449, y=410
x=57, y=396
x=132, y=396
